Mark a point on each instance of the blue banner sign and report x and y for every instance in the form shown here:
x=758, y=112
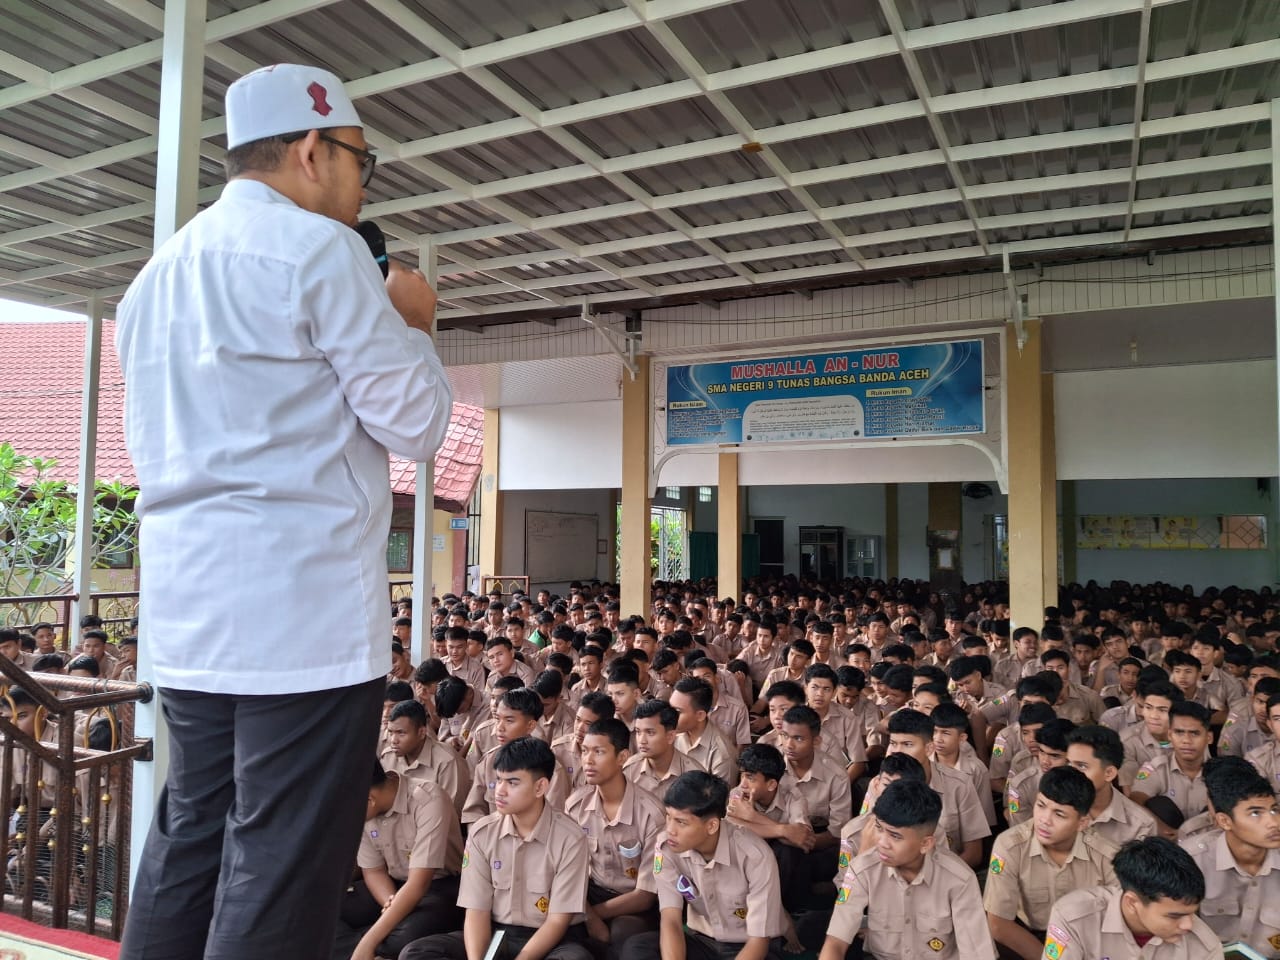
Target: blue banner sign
x=915, y=390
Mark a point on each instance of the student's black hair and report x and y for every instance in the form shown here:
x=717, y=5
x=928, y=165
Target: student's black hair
x=1156, y=868
x=913, y=723
x=479, y=636
x=1160, y=688
x=901, y=651
x=95, y=634
x=402, y=622
x=931, y=674
x=397, y=690
x=42, y=625
x=703, y=663
x=787, y=689
x=805, y=717
x=1068, y=786
x=591, y=650
x=663, y=658
x=1086, y=640
x=1267, y=686
x=903, y=766
x=430, y=671
x=1054, y=681
x=666, y=714
x=549, y=683
x=614, y=730
x=450, y=695
x=1238, y=655
x=90, y=620
x=411, y=710
x=738, y=666
x=950, y=716
x=508, y=683
x=379, y=775
x=523, y=700
x=1189, y=708
x=498, y=642
x=697, y=690
x=47, y=663
x=90, y=666
x=898, y=678
x=1209, y=637
x=1180, y=658
x=1130, y=662
x=561, y=662
x=1055, y=653
x=637, y=656
x=1034, y=713
x=961, y=667
x=801, y=646
x=1053, y=633
x=702, y=794
x=851, y=677
x=1231, y=784
x=21, y=698
x=526, y=753
x=880, y=668
x=624, y=671
x=601, y=704
x=1103, y=741
x=762, y=759
x=1035, y=686
x=1054, y=734
x=909, y=804
x=939, y=690
x=820, y=671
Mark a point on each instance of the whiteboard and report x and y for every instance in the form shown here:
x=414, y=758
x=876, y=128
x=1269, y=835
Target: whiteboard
x=559, y=547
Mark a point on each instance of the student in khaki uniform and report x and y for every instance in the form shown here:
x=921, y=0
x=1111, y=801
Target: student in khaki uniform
x=1150, y=738
x=782, y=696
x=843, y=735
x=1076, y=703
x=657, y=763
x=896, y=766
x=822, y=782
x=1245, y=731
x=482, y=735
x=524, y=871
x=568, y=748
x=1096, y=752
x=1036, y=862
x=518, y=714
x=1179, y=774
x=696, y=736
x=590, y=665
x=729, y=715
x=718, y=889
x=621, y=823
x=557, y=717
x=921, y=900
x=1267, y=757
x=1020, y=794
x=410, y=855
x=951, y=749
x=1015, y=747
x=1150, y=916
x=416, y=755
x=763, y=653
x=1241, y=860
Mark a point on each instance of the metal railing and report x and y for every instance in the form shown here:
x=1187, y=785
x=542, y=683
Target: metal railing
x=67, y=805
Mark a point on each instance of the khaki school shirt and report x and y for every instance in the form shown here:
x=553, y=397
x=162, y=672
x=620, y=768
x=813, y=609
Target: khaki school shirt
x=968, y=764
x=436, y=764
x=1023, y=882
x=961, y=819
x=843, y=735
x=1020, y=794
x=1075, y=932
x=639, y=770
x=937, y=916
x=713, y=751
x=1238, y=905
x=1267, y=759
x=480, y=798
x=419, y=832
x=1081, y=705
x=521, y=881
x=1241, y=734
x=825, y=788
x=731, y=717
x=731, y=897
x=1123, y=820
x=1161, y=776
x=619, y=848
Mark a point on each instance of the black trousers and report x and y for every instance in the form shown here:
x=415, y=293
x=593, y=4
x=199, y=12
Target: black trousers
x=436, y=912
x=451, y=946
x=257, y=827
x=697, y=946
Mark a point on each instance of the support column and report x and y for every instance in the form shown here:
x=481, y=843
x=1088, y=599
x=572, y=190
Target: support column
x=728, y=528
x=1070, y=521
x=424, y=502
x=890, y=530
x=491, y=498
x=946, y=537
x=1033, y=547
x=637, y=574
x=1275, y=222
x=81, y=556
x=177, y=182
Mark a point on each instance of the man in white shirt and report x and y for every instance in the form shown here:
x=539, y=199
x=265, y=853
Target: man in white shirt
x=269, y=370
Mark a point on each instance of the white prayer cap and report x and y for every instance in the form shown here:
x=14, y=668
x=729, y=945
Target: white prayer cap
x=286, y=98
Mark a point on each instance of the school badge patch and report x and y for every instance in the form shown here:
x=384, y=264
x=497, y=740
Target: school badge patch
x=741, y=913
x=630, y=872
x=996, y=865
x=1143, y=774
x=865, y=807
x=657, y=864
x=1014, y=806
x=1274, y=941
x=466, y=859
x=997, y=751
x=936, y=945
x=542, y=904
x=1055, y=942
x=845, y=856
x=842, y=895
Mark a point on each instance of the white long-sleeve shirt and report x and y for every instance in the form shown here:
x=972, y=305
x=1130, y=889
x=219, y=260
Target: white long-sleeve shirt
x=267, y=376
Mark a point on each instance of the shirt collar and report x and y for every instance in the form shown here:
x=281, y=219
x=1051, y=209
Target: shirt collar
x=1224, y=860
x=243, y=188
x=626, y=809
x=925, y=876
x=401, y=803
x=541, y=830
x=1077, y=848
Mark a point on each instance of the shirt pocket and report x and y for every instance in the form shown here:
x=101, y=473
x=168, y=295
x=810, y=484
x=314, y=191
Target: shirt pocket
x=1213, y=910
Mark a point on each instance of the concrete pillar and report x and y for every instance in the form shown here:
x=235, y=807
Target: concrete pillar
x=729, y=528
x=491, y=498
x=1070, y=523
x=945, y=533
x=80, y=558
x=890, y=530
x=424, y=502
x=637, y=413
x=1033, y=543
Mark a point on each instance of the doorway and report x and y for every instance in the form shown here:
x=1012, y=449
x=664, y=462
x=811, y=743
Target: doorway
x=821, y=552
x=773, y=549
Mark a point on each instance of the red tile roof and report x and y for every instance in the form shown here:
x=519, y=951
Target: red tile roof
x=41, y=373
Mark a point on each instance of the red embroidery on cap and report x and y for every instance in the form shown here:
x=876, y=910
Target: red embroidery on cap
x=319, y=103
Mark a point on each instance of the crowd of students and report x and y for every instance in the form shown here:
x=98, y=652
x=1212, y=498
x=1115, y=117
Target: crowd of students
x=867, y=769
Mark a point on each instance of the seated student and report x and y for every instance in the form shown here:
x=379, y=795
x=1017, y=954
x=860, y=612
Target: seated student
x=1206, y=822
x=1016, y=748
x=782, y=696
x=410, y=855
x=426, y=677
x=821, y=780
x=557, y=718
x=1184, y=673
x=590, y=667
x=696, y=736
x=776, y=814
x=401, y=664
x=1096, y=752
x=126, y=667
x=1241, y=860
x=1179, y=774
x=525, y=869
x=1150, y=738
x=1267, y=756
x=623, y=687
x=1001, y=713
x=1246, y=730
x=517, y=717
x=657, y=763
x=718, y=889
x=844, y=736
x=568, y=748
x=763, y=653
x=797, y=658
x=1121, y=693
x=482, y=734
x=911, y=732
x=501, y=656
x=823, y=639
x=1051, y=751
x=1007, y=670
x=666, y=669
x=621, y=823
x=1207, y=647
x=951, y=749
x=894, y=767
x=728, y=714
x=458, y=662
x=919, y=898
x=1076, y=702
x=1150, y=915
x=413, y=754
x=853, y=695
x=1039, y=860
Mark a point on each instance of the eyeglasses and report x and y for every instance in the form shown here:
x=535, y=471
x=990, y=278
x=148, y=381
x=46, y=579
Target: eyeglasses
x=368, y=159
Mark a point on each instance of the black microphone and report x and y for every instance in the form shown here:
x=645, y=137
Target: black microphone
x=372, y=234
